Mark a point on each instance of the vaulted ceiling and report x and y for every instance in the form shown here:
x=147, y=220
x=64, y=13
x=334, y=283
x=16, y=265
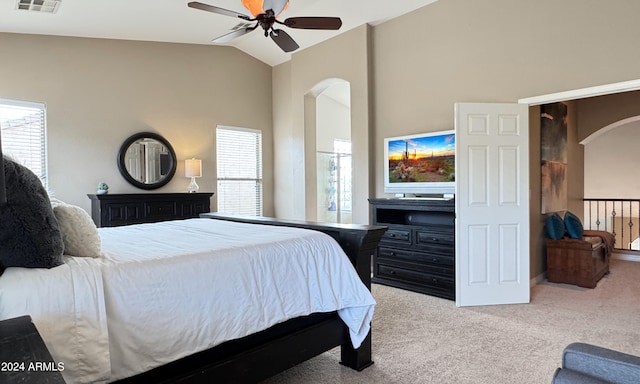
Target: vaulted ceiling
x=173, y=21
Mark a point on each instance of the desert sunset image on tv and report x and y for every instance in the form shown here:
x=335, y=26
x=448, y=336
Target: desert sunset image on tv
x=422, y=159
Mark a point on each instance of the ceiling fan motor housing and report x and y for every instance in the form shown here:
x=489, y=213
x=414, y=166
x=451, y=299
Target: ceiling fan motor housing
x=266, y=21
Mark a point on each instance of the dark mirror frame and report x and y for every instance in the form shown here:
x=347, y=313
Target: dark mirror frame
x=123, y=169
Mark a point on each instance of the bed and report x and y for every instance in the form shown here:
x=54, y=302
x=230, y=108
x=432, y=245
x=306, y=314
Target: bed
x=200, y=299
x=122, y=316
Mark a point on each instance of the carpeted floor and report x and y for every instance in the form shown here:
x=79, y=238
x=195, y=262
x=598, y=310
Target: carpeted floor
x=423, y=339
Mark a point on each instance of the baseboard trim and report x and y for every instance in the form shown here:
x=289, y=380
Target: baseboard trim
x=538, y=279
x=626, y=256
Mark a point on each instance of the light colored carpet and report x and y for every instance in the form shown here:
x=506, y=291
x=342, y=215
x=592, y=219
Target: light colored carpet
x=423, y=339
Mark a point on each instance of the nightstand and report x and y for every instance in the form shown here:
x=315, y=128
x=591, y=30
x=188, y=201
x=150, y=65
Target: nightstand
x=24, y=358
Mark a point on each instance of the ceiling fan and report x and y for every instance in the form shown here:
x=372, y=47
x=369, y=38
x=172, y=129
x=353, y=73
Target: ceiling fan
x=265, y=13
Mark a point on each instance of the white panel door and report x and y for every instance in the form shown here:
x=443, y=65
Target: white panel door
x=492, y=204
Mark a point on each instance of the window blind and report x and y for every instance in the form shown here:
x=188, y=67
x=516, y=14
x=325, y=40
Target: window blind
x=239, y=164
x=24, y=134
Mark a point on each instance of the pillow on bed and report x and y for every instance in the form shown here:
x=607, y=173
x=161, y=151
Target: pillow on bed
x=555, y=226
x=574, y=226
x=29, y=232
x=79, y=232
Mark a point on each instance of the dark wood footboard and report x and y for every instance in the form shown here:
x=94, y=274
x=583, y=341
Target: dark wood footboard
x=264, y=354
x=359, y=242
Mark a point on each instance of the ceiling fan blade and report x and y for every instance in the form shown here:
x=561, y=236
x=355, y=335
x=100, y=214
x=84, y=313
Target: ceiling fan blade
x=284, y=41
x=276, y=5
x=314, y=22
x=231, y=35
x=218, y=10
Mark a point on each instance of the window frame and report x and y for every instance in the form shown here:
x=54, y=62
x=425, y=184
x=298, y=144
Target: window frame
x=258, y=180
x=42, y=171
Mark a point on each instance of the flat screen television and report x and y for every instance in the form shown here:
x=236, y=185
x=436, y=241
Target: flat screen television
x=418, y=165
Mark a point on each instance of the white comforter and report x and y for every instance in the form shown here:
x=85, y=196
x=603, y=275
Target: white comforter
x=166, y=290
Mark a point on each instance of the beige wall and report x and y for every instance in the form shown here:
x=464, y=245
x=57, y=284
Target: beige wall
x=493, y=51
x=99, y=92
x=575, y=163
x=611, y=155
x=288, y=145
x=333, y=122
x=345, y=57
x=598, y=112
x=611, y=164
x=536, y=220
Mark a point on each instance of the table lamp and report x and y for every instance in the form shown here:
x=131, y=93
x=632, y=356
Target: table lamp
x=193, y=169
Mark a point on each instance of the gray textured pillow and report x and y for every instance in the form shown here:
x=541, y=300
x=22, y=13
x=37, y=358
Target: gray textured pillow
x=29, y=233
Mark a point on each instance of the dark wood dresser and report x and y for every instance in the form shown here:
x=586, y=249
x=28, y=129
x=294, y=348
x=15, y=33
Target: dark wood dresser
x=418, y=250
x=112, y=210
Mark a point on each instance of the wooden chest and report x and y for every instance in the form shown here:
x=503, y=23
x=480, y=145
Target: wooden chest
x=582, y=262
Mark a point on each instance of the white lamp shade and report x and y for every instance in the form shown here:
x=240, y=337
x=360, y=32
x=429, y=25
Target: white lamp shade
x=193, y=168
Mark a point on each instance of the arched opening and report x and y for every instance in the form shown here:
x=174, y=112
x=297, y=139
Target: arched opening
x=328, y=136
x=611, y=158
x=610, y=166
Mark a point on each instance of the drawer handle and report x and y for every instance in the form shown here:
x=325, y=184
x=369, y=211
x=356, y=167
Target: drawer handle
x=435, y=260
x=392, y=272
x=435, y=239
x=392, y=235
x=434, y=280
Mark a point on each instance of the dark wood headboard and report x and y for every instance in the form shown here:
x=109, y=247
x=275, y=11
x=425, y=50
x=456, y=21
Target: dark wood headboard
x=3, y=190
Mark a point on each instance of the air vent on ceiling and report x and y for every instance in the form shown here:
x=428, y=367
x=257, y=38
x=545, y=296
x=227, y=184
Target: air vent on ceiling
x=46, y=6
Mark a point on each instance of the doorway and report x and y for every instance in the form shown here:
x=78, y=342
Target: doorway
x=333, y=154
x=583, y=95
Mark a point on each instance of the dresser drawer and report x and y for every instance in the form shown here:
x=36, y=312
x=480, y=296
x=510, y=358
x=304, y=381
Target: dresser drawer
x=161, y=209
x=409, y=275
x=122, y=213
x=436, y=249
x=415, y=257
x=193, y=209
x=397, y=236
x=433, y=237
x=439, y=270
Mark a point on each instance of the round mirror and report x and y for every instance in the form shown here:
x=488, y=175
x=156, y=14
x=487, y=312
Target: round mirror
x=147, y=160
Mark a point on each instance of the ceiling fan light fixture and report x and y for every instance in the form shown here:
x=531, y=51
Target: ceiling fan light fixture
x=257, y=7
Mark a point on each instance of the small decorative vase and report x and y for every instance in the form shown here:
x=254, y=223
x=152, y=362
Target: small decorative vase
x=103, y=188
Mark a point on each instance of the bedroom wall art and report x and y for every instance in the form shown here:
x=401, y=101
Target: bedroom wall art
x=553, y=156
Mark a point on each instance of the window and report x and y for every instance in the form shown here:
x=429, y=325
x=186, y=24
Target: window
x=24, y=134
x=239, y=161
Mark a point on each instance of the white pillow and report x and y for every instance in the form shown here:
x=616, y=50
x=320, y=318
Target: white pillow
x=79, y=232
